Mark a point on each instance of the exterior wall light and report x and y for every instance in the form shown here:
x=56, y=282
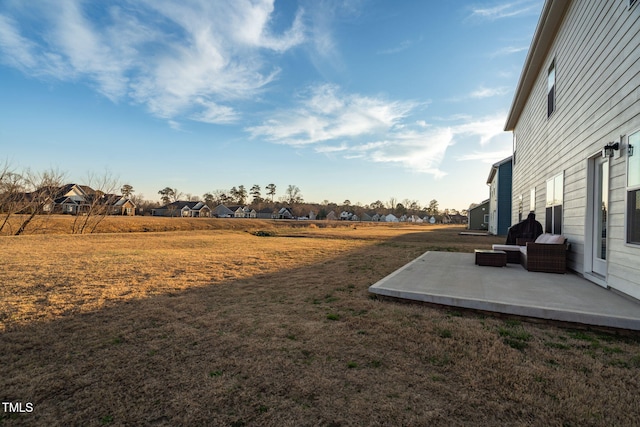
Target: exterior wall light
x=610, y=149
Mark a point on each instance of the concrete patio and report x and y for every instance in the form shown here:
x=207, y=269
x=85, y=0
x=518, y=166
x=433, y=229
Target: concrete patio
x=453, y=279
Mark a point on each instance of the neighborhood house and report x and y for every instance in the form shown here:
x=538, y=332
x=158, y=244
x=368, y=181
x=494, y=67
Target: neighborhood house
x=77, y=199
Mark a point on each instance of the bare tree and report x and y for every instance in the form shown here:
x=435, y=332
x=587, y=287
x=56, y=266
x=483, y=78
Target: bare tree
x=222, y=197
x=12, y=194
x=293, y=195
x=391, y=204
x=43, y=189
x=99, y=202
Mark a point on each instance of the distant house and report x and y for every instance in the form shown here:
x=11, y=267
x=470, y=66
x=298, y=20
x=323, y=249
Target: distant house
x=123, y=206
x=285, y=213
x=457, y=218
x=499, y=182
x=365, y=217
x=479, y=216
x=312, y=215
x=331, y=216
x=71, y=199
x=391, y=218
x=221, y=211
x=182, y=208
x=415, y=218
x=266, y=213
x=77, y=199
x=345, y=216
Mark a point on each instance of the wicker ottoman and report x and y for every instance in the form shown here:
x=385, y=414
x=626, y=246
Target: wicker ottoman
x=491, y=258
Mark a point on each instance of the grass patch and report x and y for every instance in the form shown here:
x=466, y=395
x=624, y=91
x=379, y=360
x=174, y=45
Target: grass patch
x=514, y=335
x=217, y=327
x=444, y=333
x=557, y=345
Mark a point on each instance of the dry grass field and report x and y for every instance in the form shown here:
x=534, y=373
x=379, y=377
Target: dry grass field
x=214, y=325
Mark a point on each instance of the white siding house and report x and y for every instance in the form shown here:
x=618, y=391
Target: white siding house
x=579, y=91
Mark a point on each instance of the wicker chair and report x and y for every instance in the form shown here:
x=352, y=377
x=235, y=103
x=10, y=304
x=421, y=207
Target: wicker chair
x=545, y=257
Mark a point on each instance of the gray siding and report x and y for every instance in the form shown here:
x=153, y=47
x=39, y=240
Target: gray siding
x=597, y=100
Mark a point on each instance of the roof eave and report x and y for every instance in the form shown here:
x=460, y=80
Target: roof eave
x=552, y=14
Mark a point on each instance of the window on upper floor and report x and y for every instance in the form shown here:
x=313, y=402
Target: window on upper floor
x=551, y=89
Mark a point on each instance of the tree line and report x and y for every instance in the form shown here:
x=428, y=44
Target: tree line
x=235, y=196
x=25, y=195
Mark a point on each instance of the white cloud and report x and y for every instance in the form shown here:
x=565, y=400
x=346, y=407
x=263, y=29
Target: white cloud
x=190, y=59
x=487, y=128
x=489, y=157
x=371, y=129
x=506, y=10
x=509, y=50
x=485, y=92
x=325, y=114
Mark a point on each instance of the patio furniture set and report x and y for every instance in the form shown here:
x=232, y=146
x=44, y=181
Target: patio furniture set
x=548, y=253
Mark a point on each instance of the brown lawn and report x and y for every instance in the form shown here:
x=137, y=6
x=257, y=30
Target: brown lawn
x=217, y=326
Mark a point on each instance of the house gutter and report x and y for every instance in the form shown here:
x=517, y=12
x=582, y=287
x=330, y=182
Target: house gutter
x=551, y=17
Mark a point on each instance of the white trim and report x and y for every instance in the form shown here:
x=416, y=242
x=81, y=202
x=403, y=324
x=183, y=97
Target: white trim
x=627, y=188
x=589, y=272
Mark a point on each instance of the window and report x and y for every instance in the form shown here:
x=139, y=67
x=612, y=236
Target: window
x=633, y=190
x=520, y=208
x=551, y=89
x=532, y=200
x=486, y=218
x=553, y=209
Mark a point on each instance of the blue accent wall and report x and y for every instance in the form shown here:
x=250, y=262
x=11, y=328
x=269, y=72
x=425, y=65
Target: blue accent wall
x=504, y=198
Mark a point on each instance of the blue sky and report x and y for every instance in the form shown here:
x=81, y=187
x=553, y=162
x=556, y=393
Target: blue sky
x=360, y=100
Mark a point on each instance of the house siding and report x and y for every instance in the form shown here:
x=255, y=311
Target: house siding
x=504, y=198
x=597, y=101
x=476, y=217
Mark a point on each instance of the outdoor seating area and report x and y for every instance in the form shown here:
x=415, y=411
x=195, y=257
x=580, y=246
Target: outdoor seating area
x=548, y=253
x=452, y=279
